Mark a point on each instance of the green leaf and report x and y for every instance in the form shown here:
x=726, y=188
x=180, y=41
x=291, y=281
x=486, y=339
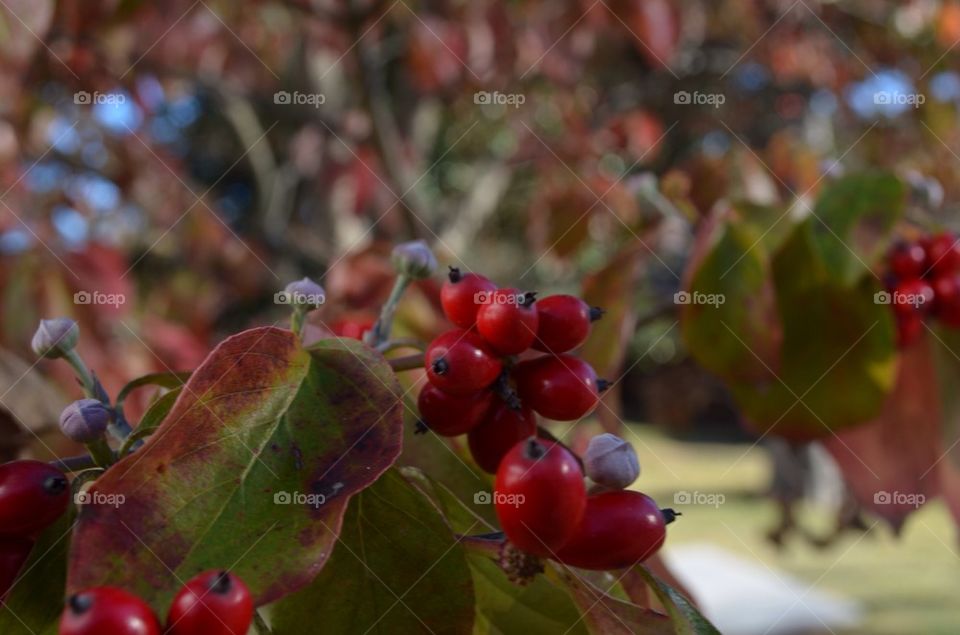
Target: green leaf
x=261, y=417
x=397, y=568
x=852, y=222
x=837, y=340
x=736, y=335
x=35, y=600
x=163, y=380
x=151, y=419
x=686, y=619
x=605, y=614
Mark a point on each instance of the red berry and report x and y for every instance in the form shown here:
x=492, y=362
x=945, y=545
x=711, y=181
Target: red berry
x=32, y=496
x=460, y=362
x=908, y=260
x=539, y=496
x=618, y=530
x=909, y=328
x=211, y=603
x=14, y=551
x=500, y=430
x=461, y=296
x=509, y=321
x=943, y=254
x=564, y=323
x=913, y=296
x=105, y=610
x=561, y=387
x=450, y=415
x=351, y=328
x=947, y=304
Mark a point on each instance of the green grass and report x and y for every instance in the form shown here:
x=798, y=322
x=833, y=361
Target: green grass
x=904, y=585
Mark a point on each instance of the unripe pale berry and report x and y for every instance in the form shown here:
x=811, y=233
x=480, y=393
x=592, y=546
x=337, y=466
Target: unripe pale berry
x=55, y=338
x=85, y=420
x=611, y=462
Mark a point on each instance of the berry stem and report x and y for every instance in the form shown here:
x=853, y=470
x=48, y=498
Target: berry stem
x=402, y=342
x=408, y=362
x=101, y=452
x=297, y=317
x=72, y=464
x=380, y=332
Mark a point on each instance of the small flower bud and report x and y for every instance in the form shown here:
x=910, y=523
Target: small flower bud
x=611, y=462
x=85, y=420
x=414, y=259
x=305, y=292
x=55, y=338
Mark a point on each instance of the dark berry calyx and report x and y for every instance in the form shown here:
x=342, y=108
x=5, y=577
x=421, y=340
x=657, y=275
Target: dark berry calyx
x=440, y=366
x=420, y=427
x=55, y=485
x=454, y=274
x=221, y=583
x=528, y=298
x=669, y=515
x=596, y=313
x=79, y=603
x=603, y=385
x=534, y=449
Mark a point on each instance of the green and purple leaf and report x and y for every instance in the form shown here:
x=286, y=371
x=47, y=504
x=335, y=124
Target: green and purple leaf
x=261, y=417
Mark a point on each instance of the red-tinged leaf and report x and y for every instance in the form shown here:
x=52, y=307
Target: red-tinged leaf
x=260, y=416
x=890, y=463
x=603, y=613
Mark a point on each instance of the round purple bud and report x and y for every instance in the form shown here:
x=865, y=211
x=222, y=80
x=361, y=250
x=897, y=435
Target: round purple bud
x=85, y=420
x=414, y=259
x=304, y=292
x=55, y=338
x=611, y=462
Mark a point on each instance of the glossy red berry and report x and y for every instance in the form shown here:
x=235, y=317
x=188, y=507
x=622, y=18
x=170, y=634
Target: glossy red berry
x=450, y=415
x=460, y=362
x=913, y=296
x=947, y=303
x=909, y=328
x=32, y=496
x=943, y=254
x=14, y=551
x=509, y=321
x=353, y=328
x=107, y=610
x=462, y=295
x=561, y=387
x=500, y=430
x=539, y=496
x=619, y=529
x=564, y=323
x=907, y=260
x=212, y=603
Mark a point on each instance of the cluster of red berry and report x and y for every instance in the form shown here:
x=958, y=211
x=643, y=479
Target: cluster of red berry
x=544, y=509
x=479, y=388
x=33, y=495
x=211, y=603
x=924, y=281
